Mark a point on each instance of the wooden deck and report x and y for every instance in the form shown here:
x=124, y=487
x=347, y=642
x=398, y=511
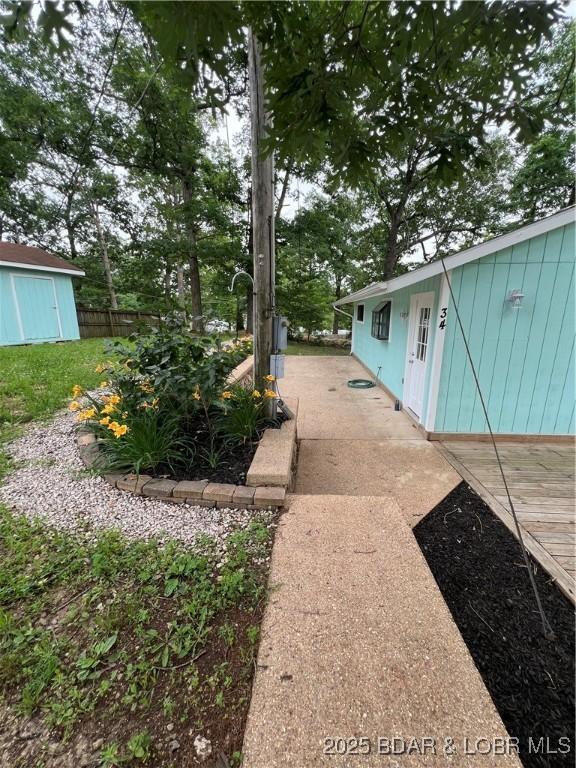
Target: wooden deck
x=541, y=481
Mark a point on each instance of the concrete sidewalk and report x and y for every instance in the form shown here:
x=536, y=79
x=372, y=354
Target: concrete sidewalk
x=353, y=442
x=357, y=643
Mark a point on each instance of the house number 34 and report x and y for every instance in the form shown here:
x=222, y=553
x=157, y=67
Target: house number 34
x=443, y=312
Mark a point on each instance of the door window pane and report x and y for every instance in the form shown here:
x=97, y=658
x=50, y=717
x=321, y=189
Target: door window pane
x=422, y=334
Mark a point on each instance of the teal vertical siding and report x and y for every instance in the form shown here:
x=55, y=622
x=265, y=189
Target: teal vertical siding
x=524, y=358
x=33, y=294
x=390, y=356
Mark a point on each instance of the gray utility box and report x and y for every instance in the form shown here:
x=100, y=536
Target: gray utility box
x=277, y=366
x=279, y=332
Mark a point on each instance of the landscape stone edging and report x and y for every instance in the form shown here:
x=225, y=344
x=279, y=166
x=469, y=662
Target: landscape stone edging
x=203, y=492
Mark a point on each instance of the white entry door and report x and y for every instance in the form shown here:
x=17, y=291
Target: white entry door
x=417, y=352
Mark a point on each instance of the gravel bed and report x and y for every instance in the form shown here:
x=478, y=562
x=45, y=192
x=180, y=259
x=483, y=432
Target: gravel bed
x=49, y=482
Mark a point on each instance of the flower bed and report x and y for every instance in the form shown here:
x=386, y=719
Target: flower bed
x=178, y=420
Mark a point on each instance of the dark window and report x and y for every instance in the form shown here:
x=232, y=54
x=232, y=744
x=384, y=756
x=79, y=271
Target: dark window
x=381, y=321
x=360, y=313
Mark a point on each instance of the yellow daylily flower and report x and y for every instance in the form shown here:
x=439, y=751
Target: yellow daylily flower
x=121, y=430
x=89, y=413
x=105, y=421
x=256, y=394
x=109, y=408
x=113, y=426
x=76, y=390
x=226, y=395
x=269, y=393
x=197, y=395
x=74, y=406
x=269, y=377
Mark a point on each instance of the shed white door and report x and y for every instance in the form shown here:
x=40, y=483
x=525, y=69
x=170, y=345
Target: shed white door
x=417, y=351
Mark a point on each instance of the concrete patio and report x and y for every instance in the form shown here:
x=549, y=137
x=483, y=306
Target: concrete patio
x=353, y=442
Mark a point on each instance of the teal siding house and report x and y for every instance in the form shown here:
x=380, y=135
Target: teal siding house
x=36, y=296
x=515, y=295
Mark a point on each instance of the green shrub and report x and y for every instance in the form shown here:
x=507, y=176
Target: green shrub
x=164, y=403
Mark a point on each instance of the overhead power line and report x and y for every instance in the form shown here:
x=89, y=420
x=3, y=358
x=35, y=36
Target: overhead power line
x=546, y=627
x=157, y=296
x=137, y=103
x=72, y=183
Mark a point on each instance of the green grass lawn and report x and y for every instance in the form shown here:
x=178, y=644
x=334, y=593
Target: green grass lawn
x=301, y=348
x=36, y=380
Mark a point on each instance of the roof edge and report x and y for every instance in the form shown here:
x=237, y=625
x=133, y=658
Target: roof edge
x=498, y=243
x=37, y=268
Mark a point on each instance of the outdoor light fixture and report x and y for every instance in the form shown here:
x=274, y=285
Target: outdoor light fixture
x=515, y=298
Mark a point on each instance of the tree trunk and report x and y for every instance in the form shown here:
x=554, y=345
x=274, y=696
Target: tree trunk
x=168, y=282
x=284, y=190
x=104, y=256
x=239, y=318
x=70, y=227
x=195, y=291
x=391, y=250
x=338, y=293
x=262, y=217
x=180, y=282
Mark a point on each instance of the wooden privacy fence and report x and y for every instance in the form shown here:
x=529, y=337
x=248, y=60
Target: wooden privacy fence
x=97, y=323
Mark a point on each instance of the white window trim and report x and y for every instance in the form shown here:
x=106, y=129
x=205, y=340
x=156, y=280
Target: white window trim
x=360, y=304
x=13, y=275
x=381, y=305
x=437, y=355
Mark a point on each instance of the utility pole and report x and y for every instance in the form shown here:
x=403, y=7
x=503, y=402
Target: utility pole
x=262, y=218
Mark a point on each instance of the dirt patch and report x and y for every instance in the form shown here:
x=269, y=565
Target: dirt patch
x=479, y=568
x=182, y=708
x=126, y=653
x=233, y=463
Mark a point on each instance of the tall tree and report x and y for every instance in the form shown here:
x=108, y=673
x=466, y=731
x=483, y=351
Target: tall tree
x=545, y=180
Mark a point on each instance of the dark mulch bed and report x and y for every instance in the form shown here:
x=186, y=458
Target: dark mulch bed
x=479, y=568
x=233, y=464
x=233, y=458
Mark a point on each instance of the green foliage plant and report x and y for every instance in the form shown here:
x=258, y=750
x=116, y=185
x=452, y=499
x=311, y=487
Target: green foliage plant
x=162, y=401
x=243, y=412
